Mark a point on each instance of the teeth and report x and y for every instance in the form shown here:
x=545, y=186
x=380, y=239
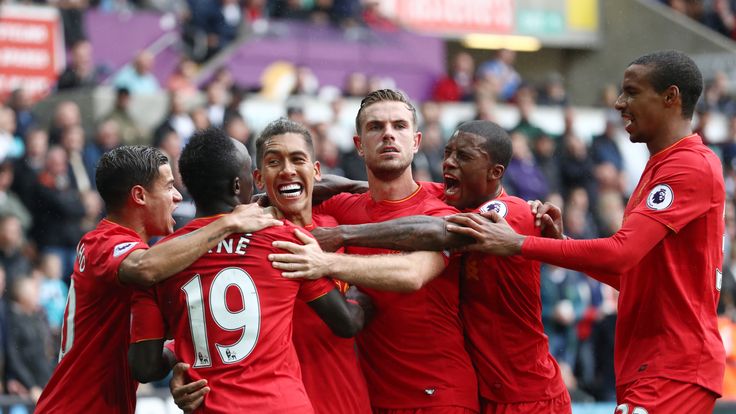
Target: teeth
x=290, y=190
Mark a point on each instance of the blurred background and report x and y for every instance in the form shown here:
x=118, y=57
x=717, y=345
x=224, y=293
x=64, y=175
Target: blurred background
x=79, y=77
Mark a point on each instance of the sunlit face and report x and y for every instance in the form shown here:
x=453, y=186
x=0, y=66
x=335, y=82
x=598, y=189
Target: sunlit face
x=161, y=201
x=466, y=168
x=287, y=174
x=388, y=139
x=641, y=107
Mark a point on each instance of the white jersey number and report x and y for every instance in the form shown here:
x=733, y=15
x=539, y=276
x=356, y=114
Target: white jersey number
x=67, y=326
x=624, y=409
x=246, y=320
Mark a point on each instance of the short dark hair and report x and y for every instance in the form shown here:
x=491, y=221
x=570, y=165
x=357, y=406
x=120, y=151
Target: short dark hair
x=385, y=95
x=497, y=140
x=122, y=168
x=208, y=164
x=672, y=67
x=279, y=127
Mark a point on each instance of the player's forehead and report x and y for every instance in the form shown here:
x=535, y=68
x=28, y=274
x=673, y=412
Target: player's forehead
x=468, y=142
x=387, y=111
x=165, y=174
x=637, y=76
x=286, y=144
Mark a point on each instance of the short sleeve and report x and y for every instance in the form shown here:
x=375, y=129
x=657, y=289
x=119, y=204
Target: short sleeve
x=310, y=290
x=108, y=259
x=146, y=321
x=679, y=191
x=336, y=206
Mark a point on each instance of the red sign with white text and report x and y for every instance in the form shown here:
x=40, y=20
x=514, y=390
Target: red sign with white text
x=31, y=49
x=452, y=16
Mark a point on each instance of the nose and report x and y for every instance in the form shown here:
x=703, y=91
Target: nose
x=177, y=196
x=619, y=104
x=289, y=168
x=449, y=161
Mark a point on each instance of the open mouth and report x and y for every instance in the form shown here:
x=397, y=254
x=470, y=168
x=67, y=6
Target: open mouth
x=452, y=184
x=291, y=190
x=389, y=150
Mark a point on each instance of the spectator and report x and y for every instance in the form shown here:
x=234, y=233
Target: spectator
x=356, y=85
x=130, y=133
x=73, y=141
x=106, y=138
x=500, y=73
x=306, y=82
x=236, y=127
x=525, y=103
x=553, y=92
x=21, y=103
x=523, y=177
x=13, y=249
x=27, y=168
x=81, y=70
x=29, y=352
x=11, y=145
x=184, y=78
x=52, y=294
x=72, y=19
x=137, y=77
x=457, y=85
x=216, y=104
x=10, y=203
x=547, y=159
x=58, y=210
x=178, y=118
x=66, y=114
x=375, y=18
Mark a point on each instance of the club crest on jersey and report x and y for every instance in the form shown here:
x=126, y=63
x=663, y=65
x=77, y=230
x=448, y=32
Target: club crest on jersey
x=122, y=248
x=660, y=197
x=495, y=205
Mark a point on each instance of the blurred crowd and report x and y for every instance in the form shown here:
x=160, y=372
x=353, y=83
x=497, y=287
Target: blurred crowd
x=47, y=183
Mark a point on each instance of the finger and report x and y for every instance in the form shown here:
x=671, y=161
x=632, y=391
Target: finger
x=288, y=266
x=189, y=408
x=304, y=238
x=285, y=258
x=493, y=216
x=190, y=388
x=464, y=230
x=299, y=274
x=292, y=247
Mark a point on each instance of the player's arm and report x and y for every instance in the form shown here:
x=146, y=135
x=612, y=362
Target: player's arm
x=396, y=272
x=150, y=266
x=606, y=257
x=406, y=233
x=150, y=360
x=345, y=319
x=331, y=185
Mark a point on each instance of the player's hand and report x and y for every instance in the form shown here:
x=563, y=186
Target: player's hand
x=548, y=217
x=247, y=218
x=365, y=302
x=306, y=261
x=491, y=232
x=187, y=396
x=261, y=199
x=329, y=238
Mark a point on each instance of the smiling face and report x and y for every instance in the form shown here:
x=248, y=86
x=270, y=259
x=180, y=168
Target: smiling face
x=161, y=200
x=388, y=139
x=642, y=107
x=287, y=173
x=469, y=172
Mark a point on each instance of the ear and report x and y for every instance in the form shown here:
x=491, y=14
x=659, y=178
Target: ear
x=358, y=144
x=417, y=142
x=258, y=178
x=138, y=195
x=672, y=95
x=235, y=187
x=317, y=171
x=495, y=172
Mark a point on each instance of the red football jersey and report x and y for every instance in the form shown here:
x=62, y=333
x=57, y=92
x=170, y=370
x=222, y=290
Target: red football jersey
x=501, y=311
x=412, y=352
x=330, y=368
x=230, y=314
x=93, y=373
x=667, y=322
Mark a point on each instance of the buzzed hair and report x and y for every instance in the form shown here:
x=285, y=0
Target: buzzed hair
x=208, y=164
x=497, y=140
x=122, y=168
x=672, y=67
x=385, y=95
x=279, y=127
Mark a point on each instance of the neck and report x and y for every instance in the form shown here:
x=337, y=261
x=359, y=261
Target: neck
x=392, y=189
x=302, y=219
x=131, y=221
x=669, y=136
x=215, y=207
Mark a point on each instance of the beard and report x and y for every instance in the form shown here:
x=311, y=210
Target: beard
x=390, y=169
